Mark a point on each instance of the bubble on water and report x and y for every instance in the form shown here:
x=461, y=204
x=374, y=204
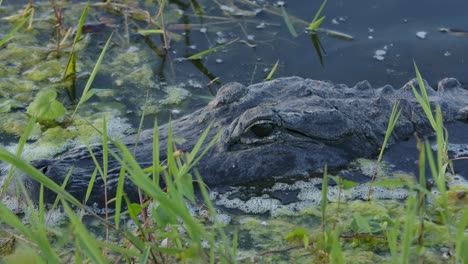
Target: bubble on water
x=421, y=34
x=261, y=25
x=380, y=54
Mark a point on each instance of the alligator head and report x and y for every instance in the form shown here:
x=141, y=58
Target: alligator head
x=289, y=127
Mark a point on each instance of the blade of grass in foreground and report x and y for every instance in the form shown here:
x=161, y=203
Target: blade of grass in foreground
x=391, y=233
x=156, y=161
x=225, y=241
x=461, y=240
x=86, y=241
x=22, y=141
x=138, y=176
x=12, y=220
x=391, y=125
x=324, y=201
x=32, y=172
x=87, y=93
x=336, y=255
x=408, y=230
x=423, y=98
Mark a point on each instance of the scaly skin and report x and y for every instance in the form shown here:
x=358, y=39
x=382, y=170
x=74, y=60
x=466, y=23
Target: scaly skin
x=289, y=127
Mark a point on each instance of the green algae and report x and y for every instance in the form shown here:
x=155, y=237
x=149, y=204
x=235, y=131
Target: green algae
x=357, y=245
x=131, y=67
x=174, y=95
x=44, y=70
x=17, y=57
x=15, y=124
x=13, y=87
x=6, y=105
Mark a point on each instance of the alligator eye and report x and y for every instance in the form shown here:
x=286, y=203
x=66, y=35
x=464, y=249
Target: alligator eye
x=262, y=130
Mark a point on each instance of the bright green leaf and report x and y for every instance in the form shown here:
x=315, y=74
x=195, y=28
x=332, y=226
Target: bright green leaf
x=45, y=107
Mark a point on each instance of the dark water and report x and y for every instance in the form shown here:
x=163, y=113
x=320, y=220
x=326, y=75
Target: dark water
x=392, y=24
x=405, y=155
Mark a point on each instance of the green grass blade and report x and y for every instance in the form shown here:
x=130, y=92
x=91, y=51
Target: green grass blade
x=273, y=70
x=12, y=220
x=408, y=231
x=226, y=244
x=336, y=255
x=70, y=69
x=391, y=233
x=32, y=172
x=64, y=184
x=171, y=163
x=146, y=32
x=138, y=176
x=13, y=31
x=324, y=201
x=461, y=245
x=85, y=95
x=423, y=99
x=206, y=52
x=98, y=165
x=81, y=22
x=105, y=149
x=118, y=196
x=156, y=161
x=322, y=6
x=41, y=204
x=145, y=256
x=191, y=156
x=207, y=148
x=288, y=23
x=87, y=242
x=441, y=143
x=90, y=185
x=22, y=142
x=315, y=25
x=421, y=83
x=37, y=227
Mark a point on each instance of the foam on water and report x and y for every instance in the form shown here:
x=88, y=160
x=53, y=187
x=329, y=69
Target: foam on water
x=254, y=205
x=309, y=194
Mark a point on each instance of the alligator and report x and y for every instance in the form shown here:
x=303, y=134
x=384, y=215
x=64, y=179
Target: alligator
x=284, y=128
